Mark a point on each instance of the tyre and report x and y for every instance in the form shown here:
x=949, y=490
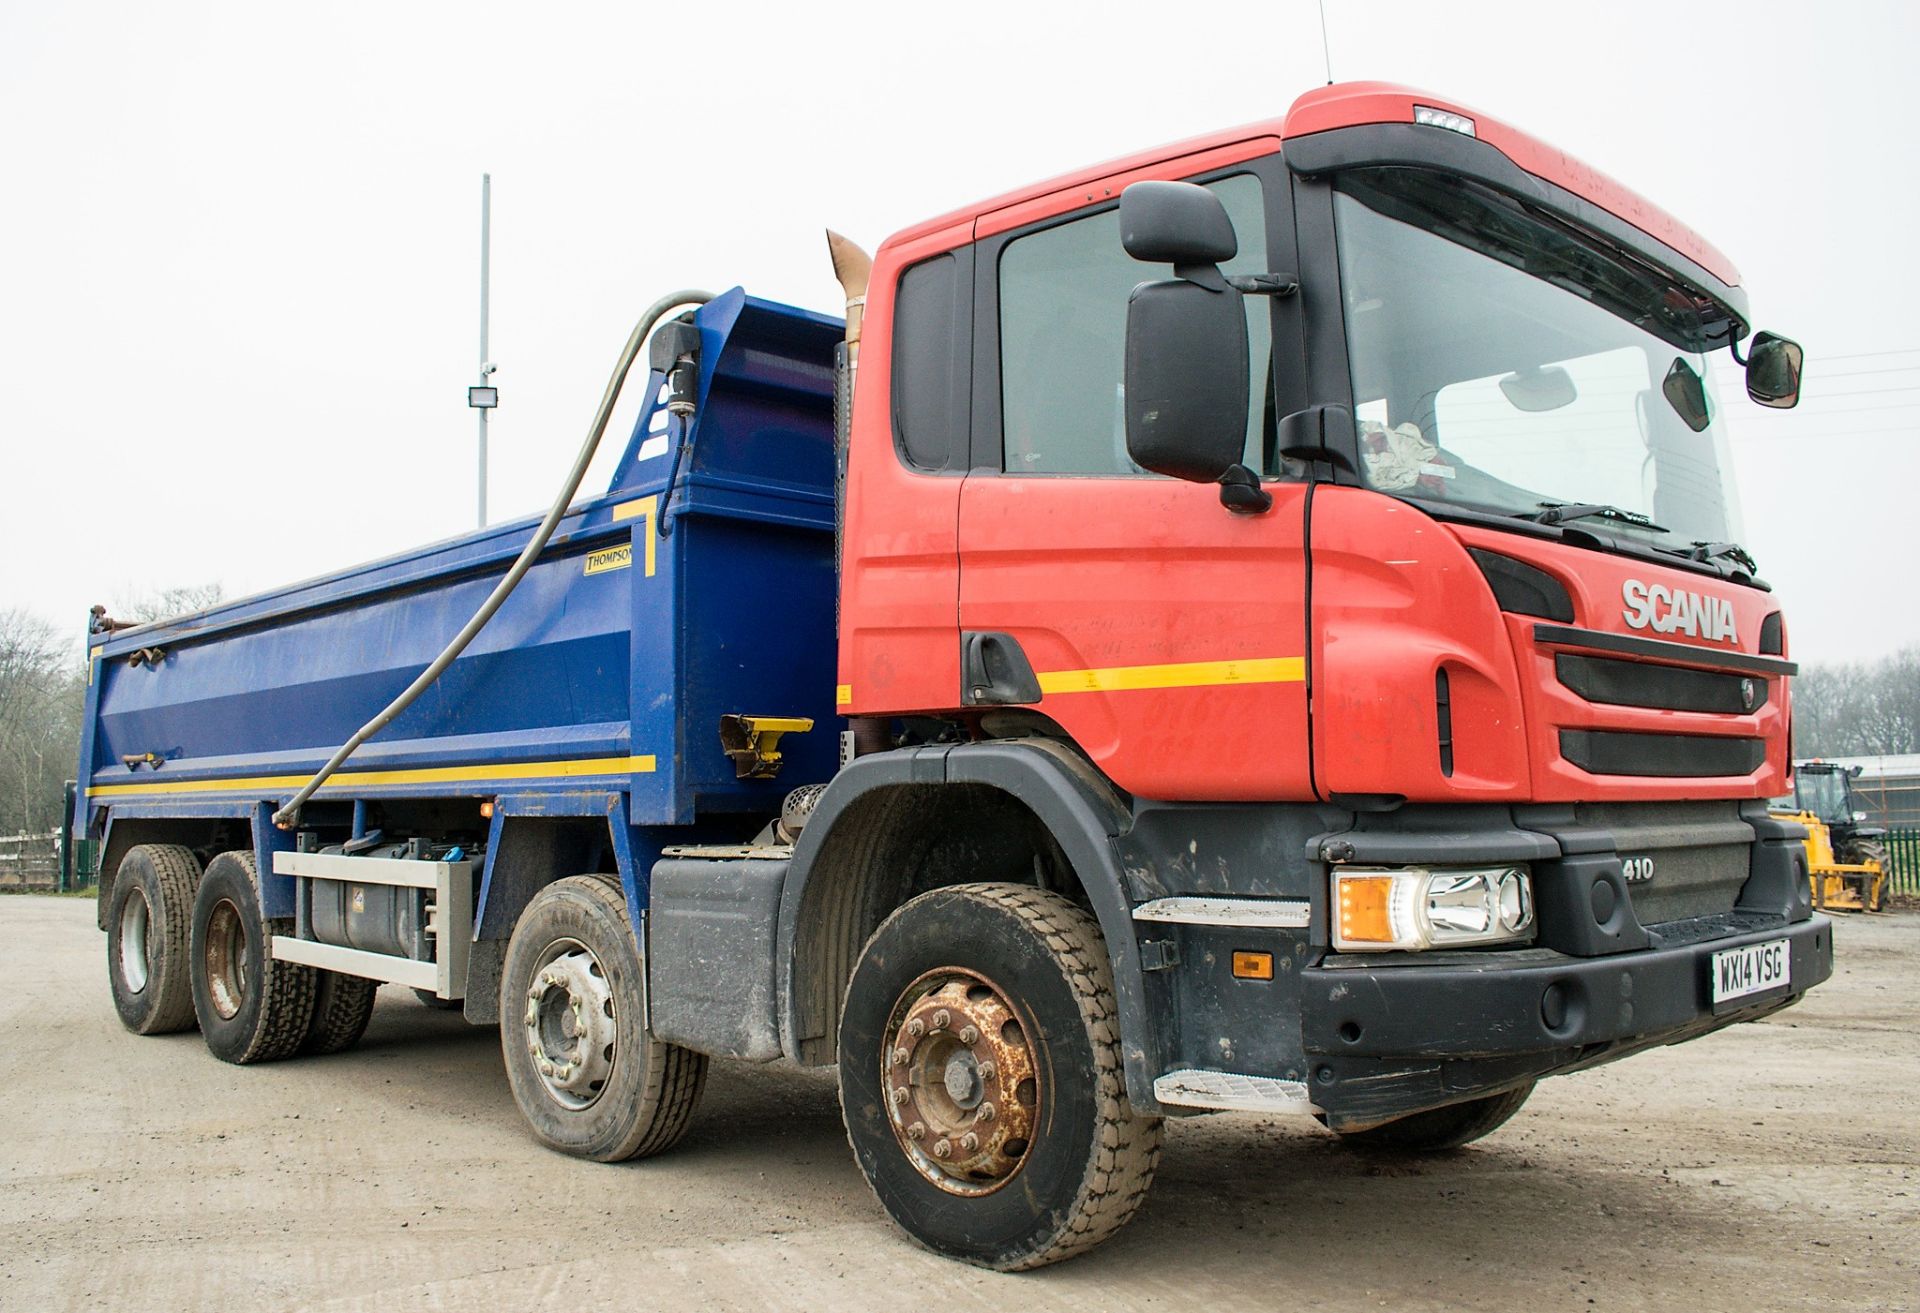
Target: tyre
x=430, y=999
x=1440, y=1129
x=148, y=921
x=588, y=1077
x=1873, y=890
x=342, y=1007
x=251, y=1007
x=981, y=1080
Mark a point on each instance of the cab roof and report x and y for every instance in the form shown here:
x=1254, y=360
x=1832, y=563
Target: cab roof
x=1351, y=104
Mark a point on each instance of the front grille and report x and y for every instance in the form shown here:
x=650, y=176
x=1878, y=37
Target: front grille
x=1701, y=854
x=1623, y=752
x=1667, y=688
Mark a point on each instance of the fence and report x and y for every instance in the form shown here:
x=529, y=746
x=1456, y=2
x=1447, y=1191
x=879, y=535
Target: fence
x=32, y=862
x=1903, y=845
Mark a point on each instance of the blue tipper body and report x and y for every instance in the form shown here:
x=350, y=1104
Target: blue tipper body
x=596, y=690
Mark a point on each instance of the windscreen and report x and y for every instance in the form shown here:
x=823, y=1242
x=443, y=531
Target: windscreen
x=1509, y=363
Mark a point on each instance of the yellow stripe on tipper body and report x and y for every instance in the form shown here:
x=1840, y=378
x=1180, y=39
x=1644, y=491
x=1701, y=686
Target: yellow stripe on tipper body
x=524, y=770
x=647, y=509
x=1185, y=674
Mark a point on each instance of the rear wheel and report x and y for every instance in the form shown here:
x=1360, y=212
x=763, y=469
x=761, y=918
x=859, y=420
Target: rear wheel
x=1440, y=1129
x=588, y=1077
x=148, y=921
x=981, y=1081
x=342, y=1007
x=251, y=1007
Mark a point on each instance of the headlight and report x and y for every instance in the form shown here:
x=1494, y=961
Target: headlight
x=1413, y=908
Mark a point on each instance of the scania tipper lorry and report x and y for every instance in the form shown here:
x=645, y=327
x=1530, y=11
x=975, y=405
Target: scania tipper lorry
x=1266, y=630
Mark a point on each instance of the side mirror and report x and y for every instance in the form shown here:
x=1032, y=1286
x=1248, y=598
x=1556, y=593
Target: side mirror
x=1687, y=395
x=1186, y=380
x=1773, y=371
x=1186, y=356
x=1176, y=223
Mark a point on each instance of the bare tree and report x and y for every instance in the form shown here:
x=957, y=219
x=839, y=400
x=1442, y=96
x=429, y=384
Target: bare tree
x=42, y=688
x=1859, y=709
x=170, y=602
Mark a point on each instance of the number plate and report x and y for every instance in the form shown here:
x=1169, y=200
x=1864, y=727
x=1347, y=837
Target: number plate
x=1749, y=969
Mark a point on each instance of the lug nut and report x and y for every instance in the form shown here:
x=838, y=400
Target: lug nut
x=970, y=1142
x=917, y=1131
x=899, y=1057
x=916, y=1028
x=899, y=1095
x=969, y=1035
x=986, y=1112
x=943, y=1149
x=546, y=1068
x=940, y=1019
x=988, y=1071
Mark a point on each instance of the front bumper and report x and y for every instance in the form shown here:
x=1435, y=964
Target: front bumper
x=1383, y=1039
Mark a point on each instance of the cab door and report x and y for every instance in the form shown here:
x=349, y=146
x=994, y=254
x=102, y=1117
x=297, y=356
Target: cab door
x=1166, y=635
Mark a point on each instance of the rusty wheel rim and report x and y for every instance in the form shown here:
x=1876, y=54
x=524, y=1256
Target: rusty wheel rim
x=226, y=959
x=960, y=1081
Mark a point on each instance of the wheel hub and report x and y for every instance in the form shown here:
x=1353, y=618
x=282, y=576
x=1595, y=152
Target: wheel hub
x=569, y=1022
x=134, y=963
x=226, y=959
x=961, y=1085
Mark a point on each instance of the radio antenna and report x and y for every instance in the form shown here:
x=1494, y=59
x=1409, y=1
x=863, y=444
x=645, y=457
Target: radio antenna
x=1325, y=53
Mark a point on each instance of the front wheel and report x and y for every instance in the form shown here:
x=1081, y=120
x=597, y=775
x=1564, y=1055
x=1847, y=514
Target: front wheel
x=587, y=1075
x=1440, y=1129
x=981, y=1081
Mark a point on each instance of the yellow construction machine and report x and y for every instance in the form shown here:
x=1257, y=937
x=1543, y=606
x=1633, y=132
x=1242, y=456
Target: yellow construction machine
x=1846, y=859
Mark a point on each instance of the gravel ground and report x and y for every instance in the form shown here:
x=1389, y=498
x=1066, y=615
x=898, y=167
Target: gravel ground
x=1770, y=1166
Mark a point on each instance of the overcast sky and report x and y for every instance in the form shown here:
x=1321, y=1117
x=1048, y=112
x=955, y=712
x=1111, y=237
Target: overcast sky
x=238, y=242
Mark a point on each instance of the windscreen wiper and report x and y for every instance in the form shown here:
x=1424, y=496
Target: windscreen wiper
x=1558, y=513
x=1708, y=551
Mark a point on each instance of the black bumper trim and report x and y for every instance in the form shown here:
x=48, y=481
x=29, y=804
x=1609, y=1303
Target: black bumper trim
x=1503, y=1010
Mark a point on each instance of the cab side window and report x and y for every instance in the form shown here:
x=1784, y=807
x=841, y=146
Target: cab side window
x=932, y=357
x=1063, y=319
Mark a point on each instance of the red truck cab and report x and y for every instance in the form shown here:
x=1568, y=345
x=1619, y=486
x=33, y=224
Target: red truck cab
x=1434, y=713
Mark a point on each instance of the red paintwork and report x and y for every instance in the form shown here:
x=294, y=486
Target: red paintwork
x=1593, y=580
x=899, y=565
x=1395, y=595
x=1090, y=573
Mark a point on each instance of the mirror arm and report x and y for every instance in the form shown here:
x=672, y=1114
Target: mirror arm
x=1733, y=349
x=1241, y=493
x=1263, y=284
x=1203, y=275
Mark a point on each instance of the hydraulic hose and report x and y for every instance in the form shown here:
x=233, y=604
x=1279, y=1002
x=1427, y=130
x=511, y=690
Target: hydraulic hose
x=289, y=814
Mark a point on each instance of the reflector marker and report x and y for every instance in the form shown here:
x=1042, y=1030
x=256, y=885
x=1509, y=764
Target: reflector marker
x=1186, y=674
x=647, y=509
x=526, y=770
x=1250, y=913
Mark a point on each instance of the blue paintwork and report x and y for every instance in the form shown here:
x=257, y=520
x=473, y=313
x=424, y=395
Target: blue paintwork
x=737, y=617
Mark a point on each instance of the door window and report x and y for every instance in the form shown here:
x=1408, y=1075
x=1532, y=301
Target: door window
x=1063, y=325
